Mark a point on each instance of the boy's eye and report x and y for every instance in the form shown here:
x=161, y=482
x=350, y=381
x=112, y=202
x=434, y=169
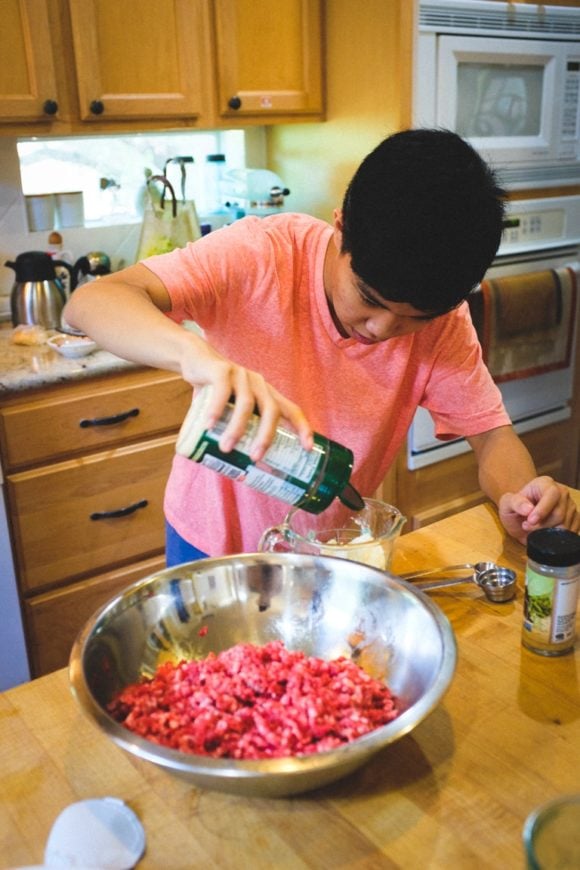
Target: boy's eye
x=368, y=301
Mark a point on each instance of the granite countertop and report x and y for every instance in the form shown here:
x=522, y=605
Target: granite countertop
x=25, y=367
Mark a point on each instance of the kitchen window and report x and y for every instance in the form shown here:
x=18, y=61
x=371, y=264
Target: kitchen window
x=110, y=171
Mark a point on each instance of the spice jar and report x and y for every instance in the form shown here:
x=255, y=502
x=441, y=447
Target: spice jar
x=551, y=591
x=308, y=479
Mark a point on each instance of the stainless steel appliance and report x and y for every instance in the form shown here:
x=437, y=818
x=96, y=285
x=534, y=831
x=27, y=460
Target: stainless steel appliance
x=543, y=234
x=506, y=76
x=38, y=295
x=90, y=267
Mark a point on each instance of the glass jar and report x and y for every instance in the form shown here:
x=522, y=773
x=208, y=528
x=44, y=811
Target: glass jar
x=551, y=591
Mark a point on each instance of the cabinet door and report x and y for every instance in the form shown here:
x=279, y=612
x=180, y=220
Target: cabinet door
x=140, y=58
x=54, y=619
x=27, y=74
x=269, y=57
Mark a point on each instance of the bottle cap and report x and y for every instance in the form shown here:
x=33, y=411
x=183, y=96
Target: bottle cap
x=557, y=547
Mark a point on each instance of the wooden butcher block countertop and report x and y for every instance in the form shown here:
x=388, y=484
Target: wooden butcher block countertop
x=453, y=793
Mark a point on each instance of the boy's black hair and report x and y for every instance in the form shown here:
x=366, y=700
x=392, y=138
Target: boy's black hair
x=422, y=219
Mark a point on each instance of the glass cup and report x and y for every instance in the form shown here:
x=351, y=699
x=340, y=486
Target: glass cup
x=367, y=536
x=552, y=835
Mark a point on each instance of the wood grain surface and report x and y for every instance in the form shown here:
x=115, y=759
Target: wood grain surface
x=453, y=793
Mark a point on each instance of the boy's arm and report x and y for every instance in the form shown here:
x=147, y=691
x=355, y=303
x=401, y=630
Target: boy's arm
x=124, y=314
x=508, y=477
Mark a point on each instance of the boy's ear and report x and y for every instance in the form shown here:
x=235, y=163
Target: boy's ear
x=337, y=214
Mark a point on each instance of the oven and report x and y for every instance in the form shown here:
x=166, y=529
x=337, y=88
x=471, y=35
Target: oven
x=537, y=266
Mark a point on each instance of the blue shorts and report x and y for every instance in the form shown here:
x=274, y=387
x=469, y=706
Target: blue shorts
x=178, y=550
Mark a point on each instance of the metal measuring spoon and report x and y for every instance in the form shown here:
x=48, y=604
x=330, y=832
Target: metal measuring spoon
x=498, y=583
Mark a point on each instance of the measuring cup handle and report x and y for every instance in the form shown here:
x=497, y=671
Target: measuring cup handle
x=275, y=540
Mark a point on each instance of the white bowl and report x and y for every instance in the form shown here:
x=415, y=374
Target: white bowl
x=72, y=346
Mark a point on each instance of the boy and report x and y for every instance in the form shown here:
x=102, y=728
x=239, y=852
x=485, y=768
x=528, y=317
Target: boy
x=341, y=329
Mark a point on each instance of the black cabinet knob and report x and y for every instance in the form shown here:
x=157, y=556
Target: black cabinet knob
x=97, y=107
x=234, y=103
x=50, y=107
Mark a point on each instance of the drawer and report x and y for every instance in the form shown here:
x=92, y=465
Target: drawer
x=54, y=619
x=80, y=517
x=81, y=418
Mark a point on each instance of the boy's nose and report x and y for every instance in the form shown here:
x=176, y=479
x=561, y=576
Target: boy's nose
x=385, y=324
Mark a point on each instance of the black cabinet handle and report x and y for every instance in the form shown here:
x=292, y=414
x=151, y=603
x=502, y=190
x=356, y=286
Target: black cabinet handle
x=50, y=107
x=234, y=103
x=121, y=512
x=97, y=107
x=109, y=421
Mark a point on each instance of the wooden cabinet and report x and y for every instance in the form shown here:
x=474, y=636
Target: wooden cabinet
x=268, y=58
x=85, y=468
x=28, y=86
x=147, y=59
x=73, y=66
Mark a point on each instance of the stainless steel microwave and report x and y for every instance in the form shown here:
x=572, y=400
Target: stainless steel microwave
x=505, y=76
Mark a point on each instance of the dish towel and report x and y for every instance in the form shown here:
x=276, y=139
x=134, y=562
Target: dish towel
x=525, y=323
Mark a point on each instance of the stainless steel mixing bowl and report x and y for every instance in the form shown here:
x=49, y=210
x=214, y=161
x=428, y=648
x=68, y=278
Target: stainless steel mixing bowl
x=325, y=606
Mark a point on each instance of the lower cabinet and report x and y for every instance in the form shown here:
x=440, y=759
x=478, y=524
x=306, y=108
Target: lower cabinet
x=54, y=619
x=85, y=466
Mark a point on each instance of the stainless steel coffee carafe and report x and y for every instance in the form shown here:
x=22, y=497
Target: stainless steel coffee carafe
x=38, y=296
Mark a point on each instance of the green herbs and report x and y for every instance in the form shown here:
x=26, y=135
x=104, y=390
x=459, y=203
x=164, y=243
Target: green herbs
x=539, y=606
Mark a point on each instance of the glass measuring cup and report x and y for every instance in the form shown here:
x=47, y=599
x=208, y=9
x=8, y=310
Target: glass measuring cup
x=367, y=536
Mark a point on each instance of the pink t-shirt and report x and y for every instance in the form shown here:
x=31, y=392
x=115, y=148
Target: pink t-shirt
x=256, y=289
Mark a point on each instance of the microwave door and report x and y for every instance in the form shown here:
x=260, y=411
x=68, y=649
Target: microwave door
x=499, y=94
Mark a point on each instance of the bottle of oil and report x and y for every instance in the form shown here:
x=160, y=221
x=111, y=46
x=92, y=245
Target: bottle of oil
x=309, y=479
x=551, y=591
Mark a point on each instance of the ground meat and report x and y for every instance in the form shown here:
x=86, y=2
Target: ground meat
x=253, y=702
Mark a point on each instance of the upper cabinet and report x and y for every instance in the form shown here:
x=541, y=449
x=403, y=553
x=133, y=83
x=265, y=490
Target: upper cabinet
x=28, y=85
x=140, y=58
x=269, y=57
x=72, y=66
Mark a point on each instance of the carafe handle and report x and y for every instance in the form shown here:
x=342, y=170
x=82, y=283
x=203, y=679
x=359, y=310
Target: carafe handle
x=275, y=540
x=69, y=269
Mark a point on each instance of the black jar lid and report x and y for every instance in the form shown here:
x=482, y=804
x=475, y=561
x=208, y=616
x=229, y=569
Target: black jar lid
x=558, y=547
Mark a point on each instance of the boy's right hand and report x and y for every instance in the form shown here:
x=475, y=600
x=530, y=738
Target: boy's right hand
x=249, y=390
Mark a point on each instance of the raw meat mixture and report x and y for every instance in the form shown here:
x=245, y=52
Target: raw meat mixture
x=253, y=702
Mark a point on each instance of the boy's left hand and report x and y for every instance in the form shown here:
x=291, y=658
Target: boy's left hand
x=541, y=503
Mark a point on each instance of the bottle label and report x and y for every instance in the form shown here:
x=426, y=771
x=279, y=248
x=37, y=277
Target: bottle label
x=284, y=454
x=259, y=480
x=310, y=479
x=550, y=609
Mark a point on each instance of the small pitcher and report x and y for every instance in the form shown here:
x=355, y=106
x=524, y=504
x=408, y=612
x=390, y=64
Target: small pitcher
x=368, y=536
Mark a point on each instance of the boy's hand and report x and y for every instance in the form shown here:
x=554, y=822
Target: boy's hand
x=541, y=503
x=250, y=390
